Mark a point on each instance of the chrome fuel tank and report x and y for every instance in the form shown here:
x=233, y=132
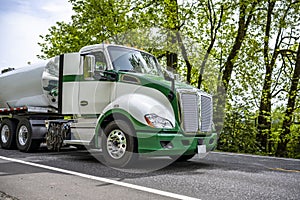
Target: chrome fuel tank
x=33, y=85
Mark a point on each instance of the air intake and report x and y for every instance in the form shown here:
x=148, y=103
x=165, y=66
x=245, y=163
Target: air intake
x=206, y=113
x=190, y=112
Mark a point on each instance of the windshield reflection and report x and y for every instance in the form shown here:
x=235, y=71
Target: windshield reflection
x=130, y=60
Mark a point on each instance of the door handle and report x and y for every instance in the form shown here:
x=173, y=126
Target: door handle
x=84, y=103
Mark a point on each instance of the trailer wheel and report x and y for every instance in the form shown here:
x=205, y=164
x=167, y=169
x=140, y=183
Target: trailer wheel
x=8, y=134
x=24, y=139
x=119, y=144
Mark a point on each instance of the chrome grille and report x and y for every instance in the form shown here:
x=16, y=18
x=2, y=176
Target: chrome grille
x=206, y=113
x=190, y=112
x=196, y=111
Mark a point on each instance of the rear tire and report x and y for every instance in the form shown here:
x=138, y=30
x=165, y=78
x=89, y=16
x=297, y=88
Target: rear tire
x=24, y=139
x=8, y=134
x=119, y=144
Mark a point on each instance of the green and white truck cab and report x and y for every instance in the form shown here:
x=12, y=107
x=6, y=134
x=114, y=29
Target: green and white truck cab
x=116, y=99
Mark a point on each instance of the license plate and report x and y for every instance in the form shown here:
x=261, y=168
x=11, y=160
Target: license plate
x=201, y=149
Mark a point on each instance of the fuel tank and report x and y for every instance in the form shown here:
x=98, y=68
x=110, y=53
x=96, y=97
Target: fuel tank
x=33, y=85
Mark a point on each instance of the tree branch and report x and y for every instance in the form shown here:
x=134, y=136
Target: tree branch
x=137, y=7
x=288, y=37
x=214, y=12
x=281, y=90
x=286, y=52
x=276, y=82
x=220, y=19
x=161, y=56
x=210, y=19
x=185, y=17
x=212, y=41
x=277, y=43
x=267, y=32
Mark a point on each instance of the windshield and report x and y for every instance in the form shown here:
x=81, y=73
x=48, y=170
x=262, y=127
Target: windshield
x=130, y=60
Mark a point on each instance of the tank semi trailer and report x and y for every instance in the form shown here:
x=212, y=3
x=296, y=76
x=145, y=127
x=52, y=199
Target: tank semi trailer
x=108, y=97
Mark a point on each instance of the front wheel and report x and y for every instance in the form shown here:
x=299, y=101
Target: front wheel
x=119, y=144
x=24, y=139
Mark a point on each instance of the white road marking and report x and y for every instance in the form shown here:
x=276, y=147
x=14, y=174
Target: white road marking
x=119, y=183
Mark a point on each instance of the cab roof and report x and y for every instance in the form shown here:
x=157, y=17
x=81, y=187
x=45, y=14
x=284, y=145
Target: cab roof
x=104, y=46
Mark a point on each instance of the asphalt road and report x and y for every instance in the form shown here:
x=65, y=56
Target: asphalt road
x=74, y=174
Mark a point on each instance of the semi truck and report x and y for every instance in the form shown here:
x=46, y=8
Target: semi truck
x=111, y=98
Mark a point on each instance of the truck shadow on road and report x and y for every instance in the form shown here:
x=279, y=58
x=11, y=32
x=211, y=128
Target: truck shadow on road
x=88, y=162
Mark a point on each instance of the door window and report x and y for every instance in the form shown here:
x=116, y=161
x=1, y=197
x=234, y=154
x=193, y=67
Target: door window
x=100, y=66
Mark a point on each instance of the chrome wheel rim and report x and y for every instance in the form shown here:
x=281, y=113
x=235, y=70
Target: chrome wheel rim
x=5, y=134
x=116, y=144
x=23, y=135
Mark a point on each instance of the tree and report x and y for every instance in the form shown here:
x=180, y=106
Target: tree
x=277, y=12
x=173, y=19
x=215, y=24
x=288, y=117
x=246, y=12
x=62, y=38
x=94, y=22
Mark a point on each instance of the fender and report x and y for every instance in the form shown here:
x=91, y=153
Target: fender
x=138, y=105
x=135, y=107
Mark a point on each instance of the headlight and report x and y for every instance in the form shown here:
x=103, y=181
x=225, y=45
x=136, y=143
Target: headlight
x=156, y=121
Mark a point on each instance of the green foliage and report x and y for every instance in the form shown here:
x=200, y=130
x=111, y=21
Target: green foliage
x=239, y=132
x=94, y=22
x=56, y=43
x=293, y=147
x=240, y=129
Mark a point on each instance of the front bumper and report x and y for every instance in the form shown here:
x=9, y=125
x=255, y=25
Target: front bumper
x=170, y=144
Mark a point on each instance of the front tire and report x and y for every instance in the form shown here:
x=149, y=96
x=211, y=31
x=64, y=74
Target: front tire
x=119, y=144
x=8, y=134
x=24, y=139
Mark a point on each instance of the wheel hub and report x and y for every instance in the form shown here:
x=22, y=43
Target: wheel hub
x=23, y=135
x=116, y=144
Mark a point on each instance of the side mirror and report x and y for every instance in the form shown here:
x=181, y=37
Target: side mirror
x=89, y=63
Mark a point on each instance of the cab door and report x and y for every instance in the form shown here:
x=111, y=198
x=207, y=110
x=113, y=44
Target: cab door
x=94, y=92
x=93, y=96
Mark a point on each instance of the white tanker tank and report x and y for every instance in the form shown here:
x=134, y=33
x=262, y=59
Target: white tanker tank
x=34, y=85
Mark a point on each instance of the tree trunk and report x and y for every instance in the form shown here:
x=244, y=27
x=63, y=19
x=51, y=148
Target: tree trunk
x=287, y=122
x=264, y=118
x=185, y=57
x=204, y=62
x=229, y=64
x=172, y=60
x=213, y=34
x=171, y=11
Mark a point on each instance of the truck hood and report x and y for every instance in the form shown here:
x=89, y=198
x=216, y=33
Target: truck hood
x=153, y=81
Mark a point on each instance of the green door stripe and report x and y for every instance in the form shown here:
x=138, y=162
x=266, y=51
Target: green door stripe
x=72, y=78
